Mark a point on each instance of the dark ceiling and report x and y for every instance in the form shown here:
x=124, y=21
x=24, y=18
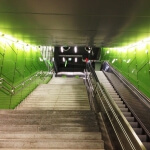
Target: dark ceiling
x=76, y=22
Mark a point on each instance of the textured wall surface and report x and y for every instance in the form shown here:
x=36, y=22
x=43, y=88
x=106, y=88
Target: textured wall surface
x=18, y=63
x=133, y=63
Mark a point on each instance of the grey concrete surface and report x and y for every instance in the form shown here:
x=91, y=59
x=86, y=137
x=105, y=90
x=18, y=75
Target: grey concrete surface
x=55, y=116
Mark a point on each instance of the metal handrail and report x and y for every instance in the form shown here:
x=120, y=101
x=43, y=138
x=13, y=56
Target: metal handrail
x=3, y=80
x=6, y=89
x=127, y=133
x=13, y=89
x=10, y=91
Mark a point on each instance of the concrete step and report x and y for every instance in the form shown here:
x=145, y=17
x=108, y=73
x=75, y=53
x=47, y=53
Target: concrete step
x=58, y=136
x=44, y=143
x=46, y=116
x=48, y=112
x=55, y=108
x=60, y=101
x=46, y=128
x=62, y=122
x=52, y=149
x=55, y=104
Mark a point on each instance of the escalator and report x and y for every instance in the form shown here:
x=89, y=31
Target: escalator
x=131, y=113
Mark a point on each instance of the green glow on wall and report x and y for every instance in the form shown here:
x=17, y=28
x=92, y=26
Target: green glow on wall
x=133, y=62
x=19, y=62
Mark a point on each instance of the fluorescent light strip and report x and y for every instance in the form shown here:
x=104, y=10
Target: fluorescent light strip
x=140, y=44
x=75, y=49
x=76, y=59
x=63, y=59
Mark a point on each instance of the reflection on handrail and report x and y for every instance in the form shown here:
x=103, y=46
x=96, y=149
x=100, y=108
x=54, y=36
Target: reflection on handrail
x=119, y=123
x=3, y=80
x=10, y=90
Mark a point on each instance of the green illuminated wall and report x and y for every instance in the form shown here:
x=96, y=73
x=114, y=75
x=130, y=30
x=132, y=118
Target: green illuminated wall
x=133, y=63
x=19, y=63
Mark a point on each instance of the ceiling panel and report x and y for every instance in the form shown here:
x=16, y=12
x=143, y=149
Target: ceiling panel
x=76, y=22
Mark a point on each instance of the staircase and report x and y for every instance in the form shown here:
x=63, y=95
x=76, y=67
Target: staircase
x=59, y=94
x=56, y=115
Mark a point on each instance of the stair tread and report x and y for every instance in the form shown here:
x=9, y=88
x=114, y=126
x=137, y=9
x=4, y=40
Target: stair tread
x=52, y=149
x=51, y=144
x=70, y=135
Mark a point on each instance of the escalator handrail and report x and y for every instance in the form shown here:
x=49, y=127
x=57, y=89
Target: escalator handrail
x=136, y=141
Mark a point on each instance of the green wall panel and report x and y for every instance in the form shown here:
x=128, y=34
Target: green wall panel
x=133, y=63
x=10, y=57
x=132, y=72
x=19, y=63
x=144, y=79
x=142, y=57
x=1, y=61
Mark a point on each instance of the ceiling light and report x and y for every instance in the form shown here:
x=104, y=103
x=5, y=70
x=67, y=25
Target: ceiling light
x=62, y=50
x=76, y=60
x=69, y=59
x=63, y=59
x=1, y=34
x=75, y=49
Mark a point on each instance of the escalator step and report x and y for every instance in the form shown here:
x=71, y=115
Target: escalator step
x=115, y=96
x=147, y=145
x=127, y=114
x=119, y=102
x=124, y=109
x=134, y=124
x=138, y=131
x=121, y=105
x=130, y=119
x=117, y=99
x=143, y=138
